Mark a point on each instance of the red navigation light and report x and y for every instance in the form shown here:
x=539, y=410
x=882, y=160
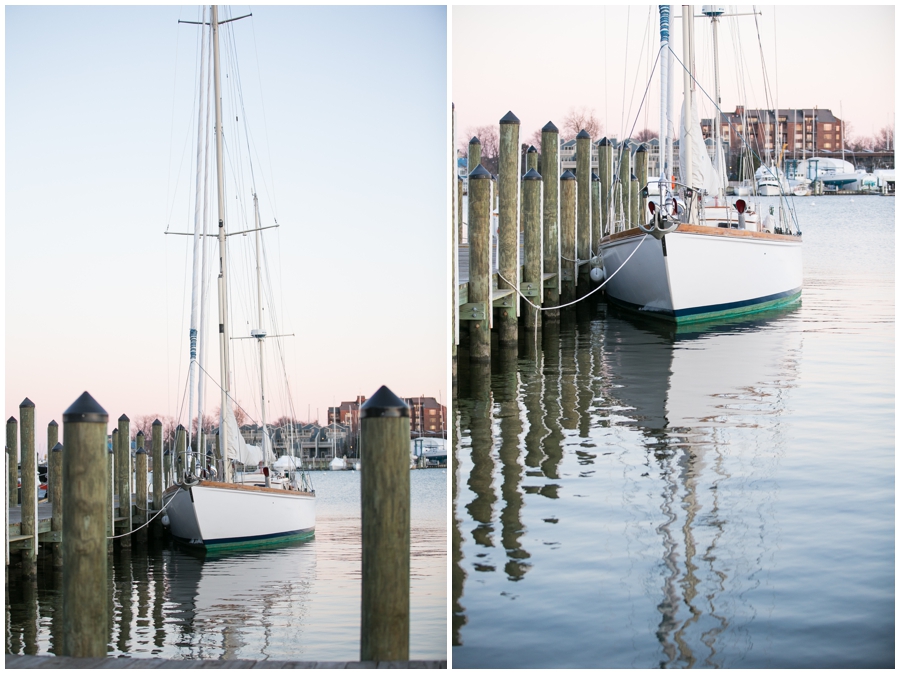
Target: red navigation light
x=652, y=207
x=740, y=205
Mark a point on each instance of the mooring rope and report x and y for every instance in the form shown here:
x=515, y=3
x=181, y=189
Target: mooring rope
x=128, y=533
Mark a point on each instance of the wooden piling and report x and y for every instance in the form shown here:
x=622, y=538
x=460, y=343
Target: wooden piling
x=531, y=158
x=634, y=201
x=54, y=478
x=456, y=238
x=156, y=449
x=567, y=250
x=508, y=228
x=180, y=457
x=84, y=587
x=167, y=467
x=473, y=159
x=29, y=485
x=140, y=485
x=583, y=212
x=640, y=172
x=111, y=451
x=12, y=449
x=480, y=263
x=123, y=463
x=604, y=170
x=623, y=188
x=52, y=439
x=550, y=174
x=532, y=273
x=595, y=215
x=384, y=424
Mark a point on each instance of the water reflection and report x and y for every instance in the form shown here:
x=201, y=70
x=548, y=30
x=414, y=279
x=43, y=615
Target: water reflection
x=565, y=414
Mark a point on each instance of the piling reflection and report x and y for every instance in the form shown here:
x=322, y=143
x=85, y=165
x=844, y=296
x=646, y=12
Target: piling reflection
x=586, y=391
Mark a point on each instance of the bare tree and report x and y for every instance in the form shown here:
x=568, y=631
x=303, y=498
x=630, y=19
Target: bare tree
x=644, y=135
x=535, y=140
x=884, y=138
x=582, y=118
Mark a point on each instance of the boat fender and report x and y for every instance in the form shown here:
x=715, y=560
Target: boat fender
x=165, y=520
x=597, y=274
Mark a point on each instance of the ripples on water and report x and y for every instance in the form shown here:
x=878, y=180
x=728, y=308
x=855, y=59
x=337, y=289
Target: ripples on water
x=294, y=602
x=626, y=496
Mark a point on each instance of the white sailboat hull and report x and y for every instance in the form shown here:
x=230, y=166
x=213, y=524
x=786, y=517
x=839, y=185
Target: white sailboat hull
x=768, y=189
x=217, y=514
x=700, y=273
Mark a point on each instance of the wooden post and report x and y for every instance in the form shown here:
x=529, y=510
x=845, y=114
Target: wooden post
x=156, y=448
x=550, y=174
x=604, y=170
x=635, y=201
x=532, y=271
x=595, y=215
x=456, y=237
x=623, y=188
x=52, y=439
x=29, y=485
x=640, y=171
x=508, y=227
x=123, y=462
x=384, y=422
x=167, y=461
x=531, y=158
x=473, y=160
x=583, y=221
x=84, y=587
x=480, y=262
x=12, y=448
x=140, y=485
x=54, y=479
x=567, y=237
x=180, y=449
x=111, y=486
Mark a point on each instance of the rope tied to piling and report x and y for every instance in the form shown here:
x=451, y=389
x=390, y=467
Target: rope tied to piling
x=128, y=533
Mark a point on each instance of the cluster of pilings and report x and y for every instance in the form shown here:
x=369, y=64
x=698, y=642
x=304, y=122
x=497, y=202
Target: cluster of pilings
x=546, y=227
x=131, y=501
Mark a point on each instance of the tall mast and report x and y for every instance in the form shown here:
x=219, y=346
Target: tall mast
x=686, y=150
x=260, y=335
x=714, y=12
x=195, y=277
x=663, y=91
x=223, y=299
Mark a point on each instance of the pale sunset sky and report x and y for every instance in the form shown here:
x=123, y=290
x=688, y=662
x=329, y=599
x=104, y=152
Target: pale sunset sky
x=540, y=61
x=347, y=111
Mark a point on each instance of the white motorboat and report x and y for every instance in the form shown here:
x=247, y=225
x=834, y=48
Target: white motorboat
x=256, y=507
x=699, y=259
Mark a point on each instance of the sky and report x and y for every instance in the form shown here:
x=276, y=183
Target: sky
x=539, y=62
x=346, y=112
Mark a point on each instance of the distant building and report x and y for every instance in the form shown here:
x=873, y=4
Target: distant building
x=426, y=417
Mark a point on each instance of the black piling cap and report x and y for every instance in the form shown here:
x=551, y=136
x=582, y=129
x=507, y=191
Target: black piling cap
x=582, y=135
x=85, y=410
x=115, y=431
x=53, y=423
x=157, y=423
x=140, y=434
x=179, y=427
x=568, y=175
x=532, y=175
x=26, y=403
x=12, y=420
x=383, y=404
x=58, y=447
x=124, y=418
x=634, y=177
x=509, y=118
x=480, y=173
x=604, y=141
x=595, y=178
x=531, y=150
x=141, y=451
x=550, y=127
x=641, y=148
x=474, y=141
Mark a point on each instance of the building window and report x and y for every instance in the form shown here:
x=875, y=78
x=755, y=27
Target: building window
x=827, y=127
x=827, y=146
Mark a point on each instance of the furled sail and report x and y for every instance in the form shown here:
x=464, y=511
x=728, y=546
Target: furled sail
x=704, y=175
x=238, y=449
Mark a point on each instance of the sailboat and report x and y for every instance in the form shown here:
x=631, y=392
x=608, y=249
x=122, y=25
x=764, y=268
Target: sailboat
x=700, y=256
x=205, y=509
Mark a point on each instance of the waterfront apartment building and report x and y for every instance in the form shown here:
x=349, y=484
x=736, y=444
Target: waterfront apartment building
x=426, y=415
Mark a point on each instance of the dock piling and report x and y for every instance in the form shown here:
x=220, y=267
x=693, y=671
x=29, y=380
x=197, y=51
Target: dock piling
x=84, y=582
x=123, y=462
x=567, y=251
x=604, y=170
x=640, y=172
x=55, y=470
x=29, y=486
x=583, y=206
x=156, y=449
x=140, y=485
x=479, y=290
x=532, y=273
x=508, y=230
x=385, y=503
x=12, y=449
x=550, y=174
x=52, y=439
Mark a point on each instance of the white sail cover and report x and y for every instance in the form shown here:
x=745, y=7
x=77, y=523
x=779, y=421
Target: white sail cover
x=238, y=449
x=704, y=176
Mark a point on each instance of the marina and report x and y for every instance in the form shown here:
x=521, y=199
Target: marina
x=716, y=496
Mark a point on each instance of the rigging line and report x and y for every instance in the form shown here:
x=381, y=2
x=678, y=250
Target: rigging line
x=172, y=126
x=265, y=121
x=625, y=69
x=228, y=395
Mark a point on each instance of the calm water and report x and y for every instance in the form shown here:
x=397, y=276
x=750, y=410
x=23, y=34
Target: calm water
x=629, y=497
x=300, y=602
